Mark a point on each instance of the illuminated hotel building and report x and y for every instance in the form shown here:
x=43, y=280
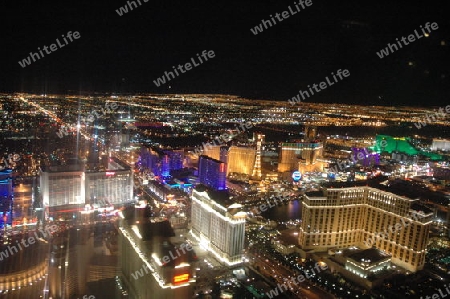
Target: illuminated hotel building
x=218, y=152
x=218, y=226
x=161, y=162
x=6, y=196
x=366, y=217
x=440, y=145
x=107, y=182
x=212, y=151
x=212, y=173
x=62, y=185
x=294, y=153
x=241, y=160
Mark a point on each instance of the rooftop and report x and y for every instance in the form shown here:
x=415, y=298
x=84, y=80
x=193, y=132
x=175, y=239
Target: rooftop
x=371, y=255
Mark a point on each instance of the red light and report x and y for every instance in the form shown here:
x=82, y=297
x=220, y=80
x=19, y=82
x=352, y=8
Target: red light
x=181, y=278
x=109, y=173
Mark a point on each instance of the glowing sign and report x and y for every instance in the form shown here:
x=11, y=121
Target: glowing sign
x=296, y=175
x=109, y=173
x=181, y=278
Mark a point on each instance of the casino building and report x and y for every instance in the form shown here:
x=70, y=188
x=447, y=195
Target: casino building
x=218, y=224
x=241, y=160
x=161, y=162
x=367, y=217
x=440, y=145
x=297, y=155
x=218, y=152
x=106, y=182
x=212, y=172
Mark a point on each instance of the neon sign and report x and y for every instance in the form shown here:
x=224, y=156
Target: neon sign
x=181, y=278
x=296, y=175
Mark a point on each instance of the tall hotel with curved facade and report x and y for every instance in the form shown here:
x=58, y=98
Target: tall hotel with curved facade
x=367, y=217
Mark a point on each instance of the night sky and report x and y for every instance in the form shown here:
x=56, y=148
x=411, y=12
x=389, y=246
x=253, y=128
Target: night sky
x=124, y=54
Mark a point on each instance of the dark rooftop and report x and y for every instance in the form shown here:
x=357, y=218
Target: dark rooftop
x=371, y=255
x=222, y=197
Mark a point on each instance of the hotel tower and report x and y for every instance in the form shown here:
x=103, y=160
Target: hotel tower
x=367, y=217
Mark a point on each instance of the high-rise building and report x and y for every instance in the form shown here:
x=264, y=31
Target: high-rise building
x=161, y=162
x=176, y=159
x=294, y=154
x=241, y=160
x=213, y=151
x=152, y=264
x=212, y=173
x=367, y=217
x=256, y=173
x=440, y=145
x=218, y=152
x=62, y=185
x=69, y=258
x=219, y=225
x=6, y=196
x=109, y=183
x=403, y=145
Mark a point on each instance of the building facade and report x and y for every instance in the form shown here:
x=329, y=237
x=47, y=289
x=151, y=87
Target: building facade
x=294, y=154
x=213, y=151
x=440, y=145
x=218, y=152
x=161, y=162
x=218, y=228
x=367, y=262
x=241, y=160
x=76, y=184
x=367, y=217
x=62, y=185
x=151, y=265
x=6, y=197
x=212, y=173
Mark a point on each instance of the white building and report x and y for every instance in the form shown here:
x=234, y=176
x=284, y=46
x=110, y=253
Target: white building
x=73, y=184
x=219, y=228
x=440, y=145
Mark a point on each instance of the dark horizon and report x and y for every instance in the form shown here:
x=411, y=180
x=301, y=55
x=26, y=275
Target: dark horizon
x=125, y=54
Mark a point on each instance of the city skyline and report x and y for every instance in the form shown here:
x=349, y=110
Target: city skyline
x=241, y=181
x=228, y=149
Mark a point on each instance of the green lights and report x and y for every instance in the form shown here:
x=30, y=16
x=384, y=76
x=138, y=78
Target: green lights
x=389, y=144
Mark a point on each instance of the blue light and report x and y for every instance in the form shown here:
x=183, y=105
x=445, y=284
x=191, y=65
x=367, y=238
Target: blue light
x=296, y=176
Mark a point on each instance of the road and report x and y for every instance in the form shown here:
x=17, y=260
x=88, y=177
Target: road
x=269, y=267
